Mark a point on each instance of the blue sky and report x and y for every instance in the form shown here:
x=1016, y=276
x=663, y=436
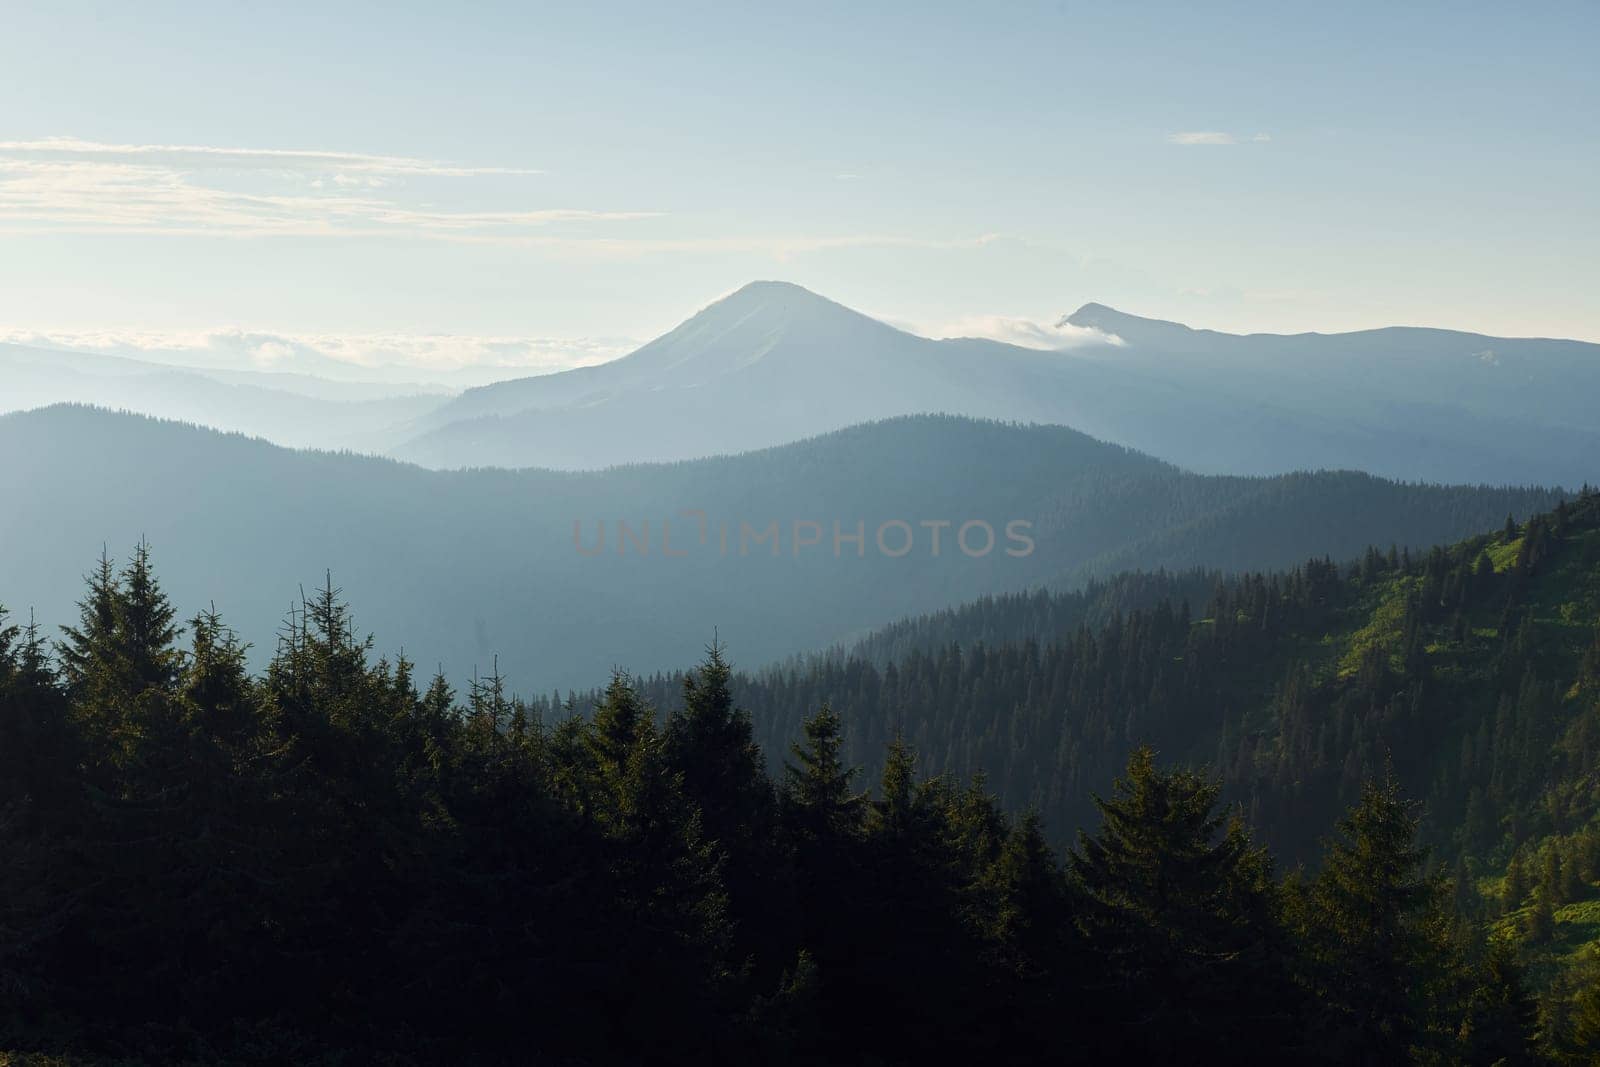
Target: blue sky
x=449, y=184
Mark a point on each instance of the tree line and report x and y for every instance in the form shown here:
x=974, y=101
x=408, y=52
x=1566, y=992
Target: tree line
x=341, y=859
x=1473, y=668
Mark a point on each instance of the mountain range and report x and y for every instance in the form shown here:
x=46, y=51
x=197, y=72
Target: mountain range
x=471, y=565
x=773, y=363
x=1064, y=601
x=295, y=410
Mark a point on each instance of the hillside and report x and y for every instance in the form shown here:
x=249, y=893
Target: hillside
x=409, y=869
x=332, y=861
x=1474, y=668
x=1470, y=672
x=1473, y=671
x=773, y=363
x=478, y=564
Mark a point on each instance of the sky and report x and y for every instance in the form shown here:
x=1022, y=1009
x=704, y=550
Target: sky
x=452, y=186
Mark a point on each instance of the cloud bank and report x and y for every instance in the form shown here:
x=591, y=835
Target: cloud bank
x=353, y=357
x=1024, y=333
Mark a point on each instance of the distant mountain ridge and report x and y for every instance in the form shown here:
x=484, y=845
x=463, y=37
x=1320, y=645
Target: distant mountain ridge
x=294, y=410
x=734, y=334
x=1543, y=379
x=773, y=363
x=770, y=364
x=471, y=565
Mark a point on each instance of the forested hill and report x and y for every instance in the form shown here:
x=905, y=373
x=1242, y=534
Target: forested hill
x=471, y=565
x=1038, y=615
x=1474, y=669
x=334, y=862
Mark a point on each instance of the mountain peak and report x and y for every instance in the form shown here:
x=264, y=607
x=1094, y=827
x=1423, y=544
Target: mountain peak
x=754, y=323
x=772, y=286
x=771, y=306
x=1110, y=320
x=767, y=294
x=1092, y=308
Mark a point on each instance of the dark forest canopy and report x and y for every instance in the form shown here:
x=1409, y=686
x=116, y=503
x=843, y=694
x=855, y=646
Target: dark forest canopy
x=1468, y=666
x=339, y=854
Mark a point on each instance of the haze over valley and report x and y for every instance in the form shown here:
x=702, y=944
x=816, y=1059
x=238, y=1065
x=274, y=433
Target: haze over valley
x=476, y=565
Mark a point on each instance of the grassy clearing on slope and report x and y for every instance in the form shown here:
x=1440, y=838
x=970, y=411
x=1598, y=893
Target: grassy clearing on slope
x=1384, y=632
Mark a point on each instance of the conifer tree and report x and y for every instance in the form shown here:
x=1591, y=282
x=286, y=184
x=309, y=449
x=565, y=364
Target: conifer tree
x=617, y=723
x=711, y=743
x=817, y=789
x=899, y=813
x=1180, y=906
x=1572, y=885
x=1515, y=887
x=1031, y=909
x=823, y=820
x=1501, y=1024
x=122, y=664
x=1539, y=925
x=663, y=874
x=1585, y=1035
x=87, y=651
x=1378, y=932
x=146, y=633
x=909, y=898
x=38, y=748
x=1550, y=877
x=216, y=682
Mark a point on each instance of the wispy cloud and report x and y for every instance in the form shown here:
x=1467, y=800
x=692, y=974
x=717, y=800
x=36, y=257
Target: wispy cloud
x=66, y=186
x=335, y=355
x=1024, y=333
x=1213, y=137
x=779, y=246
x=62, y=185
x=1202, y=137
x=195, y=157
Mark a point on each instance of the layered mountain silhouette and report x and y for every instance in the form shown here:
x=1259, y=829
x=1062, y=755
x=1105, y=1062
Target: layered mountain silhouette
x=298, y=410
x=1538, y=381
x=469, y=565
x=773, y=363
